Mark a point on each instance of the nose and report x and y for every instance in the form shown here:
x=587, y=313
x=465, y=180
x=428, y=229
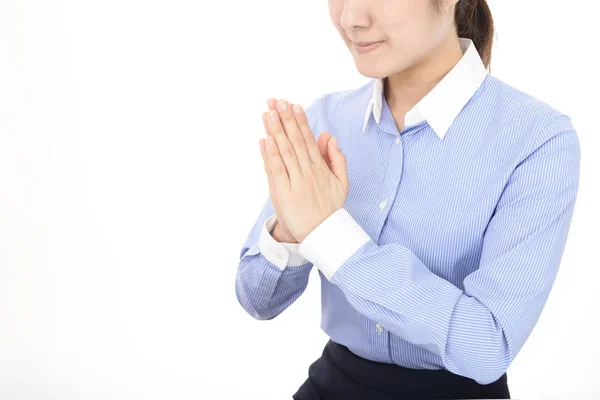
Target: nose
x=354, y=15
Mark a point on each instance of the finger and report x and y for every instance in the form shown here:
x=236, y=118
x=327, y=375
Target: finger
x=277, y=168
x=266, y=123
x=339, y=163
x=295, y=135
x=268, y=129
x=272, y=190
x=322, y=144
x=287, y=154
x=309, y=139
x=271, y=103
x=263, y=153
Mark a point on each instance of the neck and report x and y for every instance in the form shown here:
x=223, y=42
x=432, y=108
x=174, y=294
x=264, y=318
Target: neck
x=405, y=89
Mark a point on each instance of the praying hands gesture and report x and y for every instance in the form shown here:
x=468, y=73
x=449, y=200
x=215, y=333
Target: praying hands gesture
x=308, y=179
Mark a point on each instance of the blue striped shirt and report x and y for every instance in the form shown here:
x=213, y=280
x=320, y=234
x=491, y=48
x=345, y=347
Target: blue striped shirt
x=450, y=239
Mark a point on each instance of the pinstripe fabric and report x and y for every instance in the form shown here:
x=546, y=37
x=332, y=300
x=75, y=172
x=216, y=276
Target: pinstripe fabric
x=459, y=263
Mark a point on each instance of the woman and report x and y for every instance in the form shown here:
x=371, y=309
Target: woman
x=437, y=226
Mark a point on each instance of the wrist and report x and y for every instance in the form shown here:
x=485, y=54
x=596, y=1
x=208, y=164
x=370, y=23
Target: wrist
x=282, y=237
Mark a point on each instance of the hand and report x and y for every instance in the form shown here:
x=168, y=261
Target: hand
x=322, y=139
x=308, y=189
x=281, y=232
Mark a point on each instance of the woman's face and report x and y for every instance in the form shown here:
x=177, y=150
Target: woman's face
x=409, y=31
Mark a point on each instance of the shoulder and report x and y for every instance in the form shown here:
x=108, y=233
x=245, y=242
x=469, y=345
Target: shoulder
x=525, y=114
x=518, y=102
x=513, y=103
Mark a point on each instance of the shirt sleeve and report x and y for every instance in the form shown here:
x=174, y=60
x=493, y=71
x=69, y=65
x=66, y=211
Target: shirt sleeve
x=281, y=254
x=477, y=331
x=265, y=285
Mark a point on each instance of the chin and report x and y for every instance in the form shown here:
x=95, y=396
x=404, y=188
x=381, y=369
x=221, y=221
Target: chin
x=372, y=70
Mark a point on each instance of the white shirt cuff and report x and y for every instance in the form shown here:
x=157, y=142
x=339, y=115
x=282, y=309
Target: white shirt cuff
x=280, y=254
x=331, y=243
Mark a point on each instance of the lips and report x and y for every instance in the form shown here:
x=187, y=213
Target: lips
x=365, y=44
x=366, y=47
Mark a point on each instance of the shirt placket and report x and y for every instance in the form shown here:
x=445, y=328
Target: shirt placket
x=380, y=336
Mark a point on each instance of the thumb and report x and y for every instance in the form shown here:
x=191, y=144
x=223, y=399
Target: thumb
x=338, y=162
x=323, y=145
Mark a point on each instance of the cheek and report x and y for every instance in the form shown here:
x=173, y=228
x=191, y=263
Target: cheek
x=335, y=13
x=406, y=19
x=405, y=39
x=342, y=33
x=411, y=35
x=406, y=47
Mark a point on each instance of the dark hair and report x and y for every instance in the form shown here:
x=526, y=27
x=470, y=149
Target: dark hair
x=473, y=19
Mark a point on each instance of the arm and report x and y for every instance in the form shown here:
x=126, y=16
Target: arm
x=477, y=331
x=270, y=275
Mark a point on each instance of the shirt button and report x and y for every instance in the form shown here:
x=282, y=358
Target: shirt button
x=398, y=140
x=383, y=204
x=279, y=256
x=379, y=328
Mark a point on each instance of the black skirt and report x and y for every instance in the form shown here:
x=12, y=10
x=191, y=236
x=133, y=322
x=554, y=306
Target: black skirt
x=341, y=374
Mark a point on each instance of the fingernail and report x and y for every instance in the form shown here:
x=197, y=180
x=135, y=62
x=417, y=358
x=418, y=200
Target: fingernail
x=297, y=109
x=273, y=116
x=335, y=143
x=270, y=140
x=282, y=104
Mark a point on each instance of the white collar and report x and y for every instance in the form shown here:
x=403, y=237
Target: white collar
x=443, y=103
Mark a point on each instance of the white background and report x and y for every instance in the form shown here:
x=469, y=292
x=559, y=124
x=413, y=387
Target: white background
x=130, y=175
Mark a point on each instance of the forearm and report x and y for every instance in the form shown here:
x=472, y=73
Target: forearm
x=264, y=290
x=402, y=294
x=477, y=331
x=426, y=310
